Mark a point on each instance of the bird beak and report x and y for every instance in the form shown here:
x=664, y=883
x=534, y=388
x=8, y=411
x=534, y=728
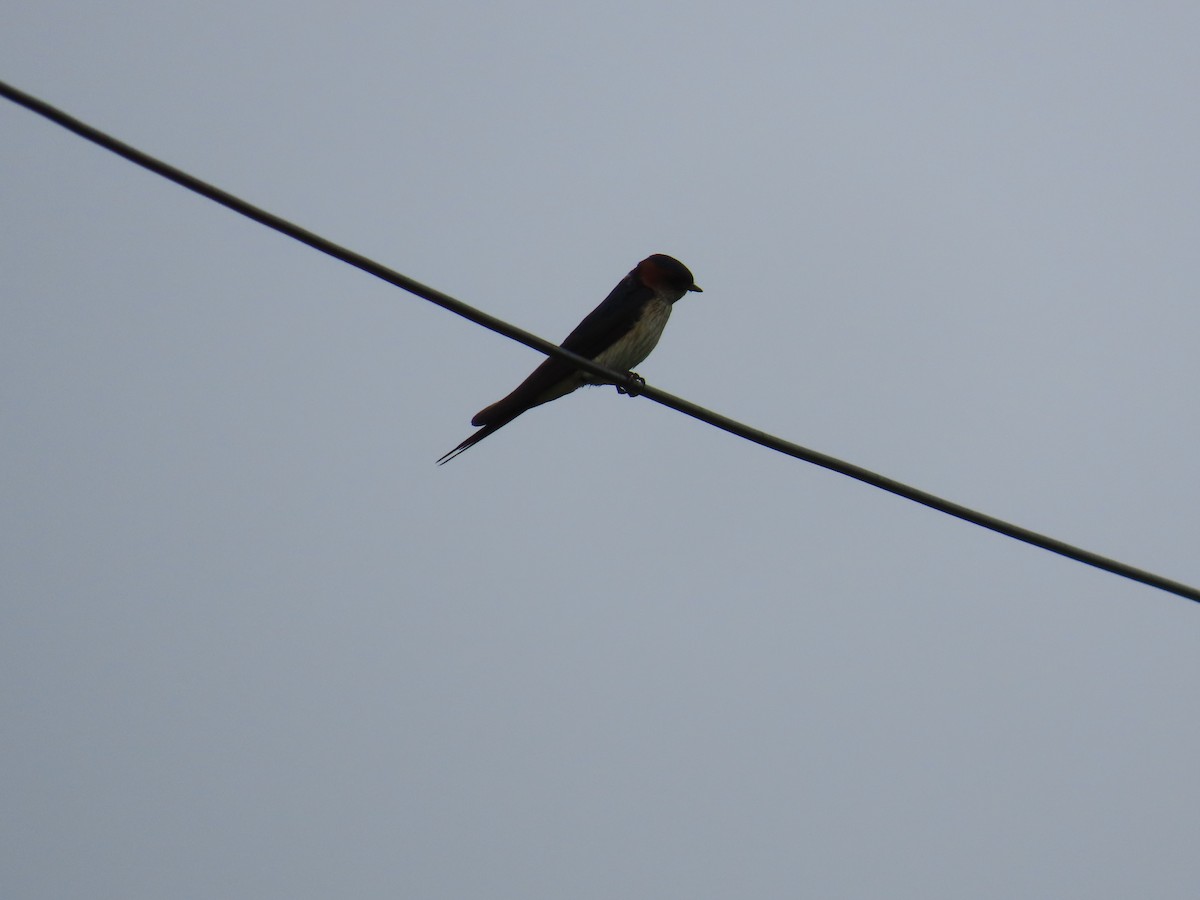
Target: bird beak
x=696, y=288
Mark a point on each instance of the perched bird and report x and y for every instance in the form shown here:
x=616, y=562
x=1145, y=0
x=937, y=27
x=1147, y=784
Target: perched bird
x=617, y=334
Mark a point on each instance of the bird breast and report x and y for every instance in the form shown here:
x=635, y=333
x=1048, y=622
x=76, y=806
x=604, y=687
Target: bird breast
x=636, y=345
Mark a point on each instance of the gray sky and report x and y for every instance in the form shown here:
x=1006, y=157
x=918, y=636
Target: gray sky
x=255, y=645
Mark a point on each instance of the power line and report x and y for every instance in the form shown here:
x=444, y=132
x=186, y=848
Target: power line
x=499, y=326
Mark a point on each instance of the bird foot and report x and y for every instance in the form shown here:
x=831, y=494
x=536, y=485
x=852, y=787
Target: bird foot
x=638, y=383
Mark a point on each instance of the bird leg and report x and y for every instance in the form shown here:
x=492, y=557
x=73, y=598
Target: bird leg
x=638, y=383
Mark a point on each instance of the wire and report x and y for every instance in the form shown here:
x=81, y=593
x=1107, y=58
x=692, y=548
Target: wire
x=620, y=379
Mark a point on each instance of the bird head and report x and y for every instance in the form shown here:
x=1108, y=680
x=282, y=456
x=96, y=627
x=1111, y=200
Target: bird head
x=666, y=275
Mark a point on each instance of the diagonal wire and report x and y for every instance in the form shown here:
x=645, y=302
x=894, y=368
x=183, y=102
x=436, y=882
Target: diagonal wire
x=621, y=379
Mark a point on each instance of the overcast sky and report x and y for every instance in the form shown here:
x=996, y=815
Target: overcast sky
x=256, y=645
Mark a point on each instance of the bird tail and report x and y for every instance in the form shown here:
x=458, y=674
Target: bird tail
x=492, y=425
x=508, y=408
x=545, y=384
x=465, y=445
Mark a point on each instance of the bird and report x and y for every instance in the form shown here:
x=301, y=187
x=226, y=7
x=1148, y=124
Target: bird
x=618, y=334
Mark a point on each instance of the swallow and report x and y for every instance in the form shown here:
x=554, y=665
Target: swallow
x=617, y=334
